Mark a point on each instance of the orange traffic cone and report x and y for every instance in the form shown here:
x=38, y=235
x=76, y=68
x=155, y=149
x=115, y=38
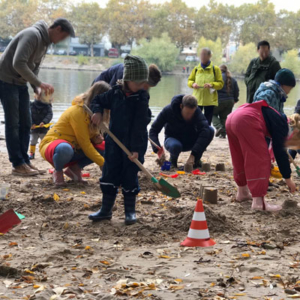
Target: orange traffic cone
x=198, y=235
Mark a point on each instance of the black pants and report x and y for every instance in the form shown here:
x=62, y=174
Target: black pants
x=208, y=113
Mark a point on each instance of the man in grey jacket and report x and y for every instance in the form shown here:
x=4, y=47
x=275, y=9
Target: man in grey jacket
x=20, y=64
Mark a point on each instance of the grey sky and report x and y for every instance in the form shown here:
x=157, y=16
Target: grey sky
x=292, y=5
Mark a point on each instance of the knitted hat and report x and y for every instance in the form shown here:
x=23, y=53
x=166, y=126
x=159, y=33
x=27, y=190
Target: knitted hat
x=285, y=77
x=135, y=69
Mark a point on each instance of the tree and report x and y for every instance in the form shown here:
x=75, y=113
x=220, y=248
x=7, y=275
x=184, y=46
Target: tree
x=242, y=57
x=214, y=46
x=258, y=22
x=179, y=22
x=87, y=19
x=128, y=21
x=291, y=61
x=16, y=15
x=159, y=51
x=215, y=20
x=49, y=10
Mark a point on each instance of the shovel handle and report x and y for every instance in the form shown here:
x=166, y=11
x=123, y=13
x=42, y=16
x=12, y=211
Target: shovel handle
x=118, y=142
x=154, y=144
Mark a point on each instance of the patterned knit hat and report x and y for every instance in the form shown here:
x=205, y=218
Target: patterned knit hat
x=285, y=77
x=135, y=69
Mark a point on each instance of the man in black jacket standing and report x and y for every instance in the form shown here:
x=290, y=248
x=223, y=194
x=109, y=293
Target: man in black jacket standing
x=186, y=129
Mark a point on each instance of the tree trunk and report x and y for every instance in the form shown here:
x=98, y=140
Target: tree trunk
x=92, y=50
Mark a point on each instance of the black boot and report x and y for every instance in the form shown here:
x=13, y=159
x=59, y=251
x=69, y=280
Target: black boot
x=129, y=203
x=197, y=164
x=174, y=162
x=105, y=213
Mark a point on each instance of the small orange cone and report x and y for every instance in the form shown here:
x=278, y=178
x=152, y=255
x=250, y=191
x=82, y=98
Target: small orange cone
x=198, y=235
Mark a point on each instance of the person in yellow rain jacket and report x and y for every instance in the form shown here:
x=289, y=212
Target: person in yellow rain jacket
x=74, y=142
x=206, y=79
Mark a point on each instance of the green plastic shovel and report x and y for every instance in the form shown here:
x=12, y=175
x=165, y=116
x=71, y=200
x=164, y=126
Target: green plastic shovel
x=161, y=184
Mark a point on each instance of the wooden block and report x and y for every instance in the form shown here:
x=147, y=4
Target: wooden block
x=210, y=195
x=205, y=167
x=220, y=167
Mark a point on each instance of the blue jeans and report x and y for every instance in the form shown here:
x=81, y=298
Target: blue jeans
x=64, y=154
x=16, y=105
x=175, y=147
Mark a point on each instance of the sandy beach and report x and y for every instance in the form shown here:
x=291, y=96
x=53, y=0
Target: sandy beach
x=57, y=253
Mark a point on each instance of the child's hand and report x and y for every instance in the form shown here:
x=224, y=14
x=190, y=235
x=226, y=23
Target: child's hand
x=195, y=86
x=42, y=124
x=134, y=156
x=290, y=183
x=97, y=119
x=207, y=86
x=33, y=126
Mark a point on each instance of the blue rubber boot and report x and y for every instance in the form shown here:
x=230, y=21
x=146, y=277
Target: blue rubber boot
x=105, y=213
x=129, y=203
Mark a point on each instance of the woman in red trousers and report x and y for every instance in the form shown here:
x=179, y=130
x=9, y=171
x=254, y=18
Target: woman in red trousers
x=247, y=129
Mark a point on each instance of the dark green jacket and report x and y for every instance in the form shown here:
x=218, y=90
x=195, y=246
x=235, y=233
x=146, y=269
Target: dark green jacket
x=258, y=72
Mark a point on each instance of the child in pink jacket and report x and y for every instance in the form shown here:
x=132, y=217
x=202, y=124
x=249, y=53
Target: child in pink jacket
x=247, y=129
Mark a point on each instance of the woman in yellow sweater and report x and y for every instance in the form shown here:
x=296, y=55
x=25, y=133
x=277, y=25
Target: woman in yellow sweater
x=74, y=142
x=206, y=79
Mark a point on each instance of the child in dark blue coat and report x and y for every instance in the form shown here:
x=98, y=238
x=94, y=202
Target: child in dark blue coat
x=41, y=114
x=128, y=104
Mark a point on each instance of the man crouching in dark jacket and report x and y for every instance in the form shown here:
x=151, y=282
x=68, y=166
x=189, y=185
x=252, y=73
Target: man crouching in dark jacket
x=186, y=129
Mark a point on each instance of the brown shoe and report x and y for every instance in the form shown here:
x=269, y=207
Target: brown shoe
x=24, y=171
x=31, y=166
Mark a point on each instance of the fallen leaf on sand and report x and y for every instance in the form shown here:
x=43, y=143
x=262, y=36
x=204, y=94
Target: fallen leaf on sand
x=55, y=197
x=66, y=226
x=83, y=193
x=66, y=190
x=275, y=275
x=28, y=271
x=176, y=287
x=256, y=277
x=13, y=244
x=240, y=294
x=297, y=296
x=87, y=248
x=178, y=280
x=59, y=290
x=105, y=262
x=164, y=256
x=36, y=286
x=245, y=255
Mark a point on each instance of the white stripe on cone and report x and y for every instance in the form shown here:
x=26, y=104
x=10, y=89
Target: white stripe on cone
x=199, y=216
x=198, y=234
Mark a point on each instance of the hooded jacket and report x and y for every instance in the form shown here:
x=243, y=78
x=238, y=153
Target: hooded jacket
x=73, y=127
x=40, y=113
x=272, y=93
x=211, y=74
x=195, y=133
x=21, y=60
x=111, y=75
x=258, y=72
x=234, y=90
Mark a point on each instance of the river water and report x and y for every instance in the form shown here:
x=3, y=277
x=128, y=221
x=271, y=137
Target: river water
x=68, y=84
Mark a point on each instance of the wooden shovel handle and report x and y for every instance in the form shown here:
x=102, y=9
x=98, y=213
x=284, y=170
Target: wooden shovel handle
x=154, y=144
x=118, y=142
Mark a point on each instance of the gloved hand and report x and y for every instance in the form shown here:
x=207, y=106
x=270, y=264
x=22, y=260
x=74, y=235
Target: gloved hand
x=188, y=167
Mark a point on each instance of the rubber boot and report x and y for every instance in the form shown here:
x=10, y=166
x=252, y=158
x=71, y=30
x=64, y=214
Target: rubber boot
x=243, y=194
x=32, y=152
x=259, y=203
x=105, y=212
x=129, y=203
x=174, y=162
